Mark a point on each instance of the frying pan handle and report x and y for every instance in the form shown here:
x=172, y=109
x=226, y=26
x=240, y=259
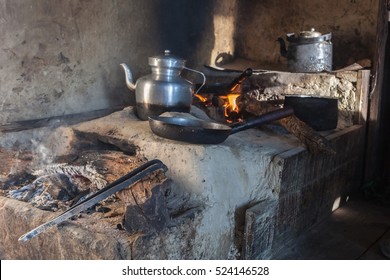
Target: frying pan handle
x=263, y=119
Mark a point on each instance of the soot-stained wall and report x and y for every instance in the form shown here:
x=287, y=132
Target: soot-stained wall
x=353, y=24
x=62, y=57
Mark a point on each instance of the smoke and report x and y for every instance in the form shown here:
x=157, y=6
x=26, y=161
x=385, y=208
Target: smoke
x=32, y=145
x=15, y=167
x=44, y=155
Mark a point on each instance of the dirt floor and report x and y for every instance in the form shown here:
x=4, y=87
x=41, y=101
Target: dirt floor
x=357, y=230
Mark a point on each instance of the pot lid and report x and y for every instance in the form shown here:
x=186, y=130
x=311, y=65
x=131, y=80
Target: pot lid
x=167, y=60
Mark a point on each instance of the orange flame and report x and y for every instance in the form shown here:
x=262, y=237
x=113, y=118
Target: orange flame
x=200, y=97
x=226, y=102
x=230, y=104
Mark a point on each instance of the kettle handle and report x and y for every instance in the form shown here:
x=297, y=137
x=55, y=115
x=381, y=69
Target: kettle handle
x=200, y=73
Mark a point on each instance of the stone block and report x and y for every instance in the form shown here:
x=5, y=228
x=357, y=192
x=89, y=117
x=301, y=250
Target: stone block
x=87, y=238
x=259, y=230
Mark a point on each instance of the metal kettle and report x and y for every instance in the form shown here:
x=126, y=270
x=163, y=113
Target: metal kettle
x=164, y=90
x=309, y=51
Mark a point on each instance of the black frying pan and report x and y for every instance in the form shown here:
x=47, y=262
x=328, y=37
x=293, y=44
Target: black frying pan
x=198, y=131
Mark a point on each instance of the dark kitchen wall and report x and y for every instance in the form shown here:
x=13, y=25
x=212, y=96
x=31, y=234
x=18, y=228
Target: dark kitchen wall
x=62, y=57
x=184, y=26
x=353, y=24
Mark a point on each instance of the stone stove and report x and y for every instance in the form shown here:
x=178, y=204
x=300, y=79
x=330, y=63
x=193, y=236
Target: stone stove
x=244, y=197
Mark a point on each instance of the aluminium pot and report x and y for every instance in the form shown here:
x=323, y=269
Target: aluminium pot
x=319, y=112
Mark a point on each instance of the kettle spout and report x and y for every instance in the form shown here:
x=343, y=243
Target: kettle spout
x=129, y=77
x=283, y=50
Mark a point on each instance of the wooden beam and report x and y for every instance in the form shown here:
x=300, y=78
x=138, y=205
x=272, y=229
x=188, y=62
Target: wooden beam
x=375, y=147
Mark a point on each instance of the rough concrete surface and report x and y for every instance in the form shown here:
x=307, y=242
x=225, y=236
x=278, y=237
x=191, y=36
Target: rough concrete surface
x=247, y=175
x=195, y=169
x=251, y=173
x=60, y=58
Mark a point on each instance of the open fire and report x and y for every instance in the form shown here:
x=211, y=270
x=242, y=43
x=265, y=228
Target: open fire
x=222, y=98
x=231, y=111
x=224, y=105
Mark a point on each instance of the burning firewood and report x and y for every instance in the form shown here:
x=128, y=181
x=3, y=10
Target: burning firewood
x=313, y=141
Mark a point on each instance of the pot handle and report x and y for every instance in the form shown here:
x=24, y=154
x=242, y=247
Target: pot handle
x=263, y=119
x=200, y=73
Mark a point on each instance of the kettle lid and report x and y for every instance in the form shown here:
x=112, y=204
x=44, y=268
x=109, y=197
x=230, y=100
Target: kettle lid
x=309, y=36
x=312, y=33
x=167, y=60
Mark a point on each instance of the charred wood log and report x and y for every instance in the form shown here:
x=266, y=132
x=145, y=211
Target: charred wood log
x=313, y=141
x=146, y=205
